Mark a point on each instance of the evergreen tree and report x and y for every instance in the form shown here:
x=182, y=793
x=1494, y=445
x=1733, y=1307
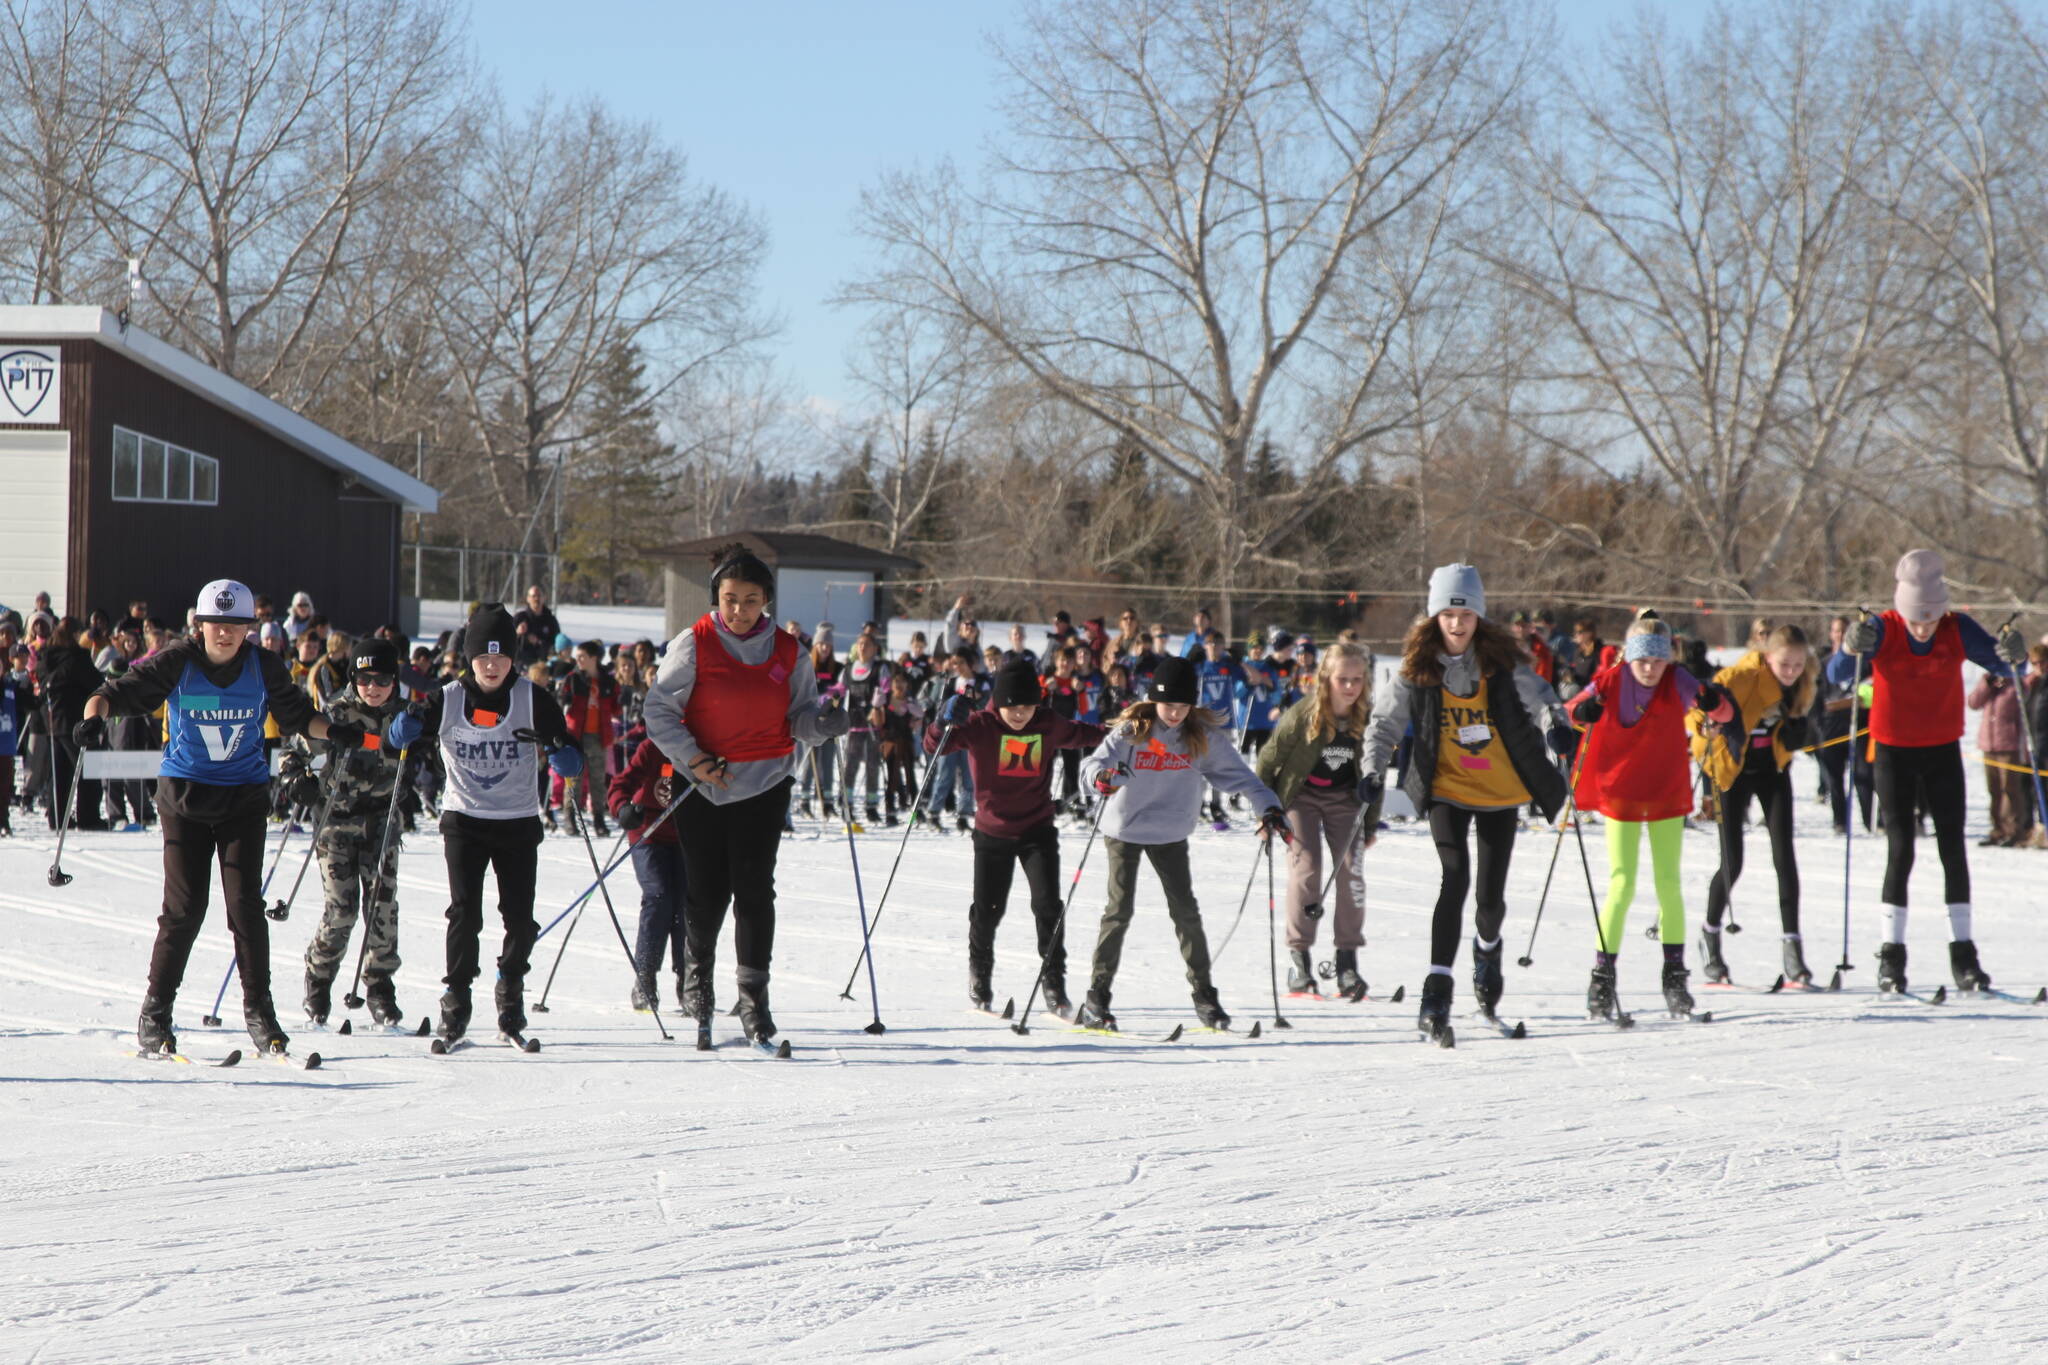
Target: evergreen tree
x=620, y=498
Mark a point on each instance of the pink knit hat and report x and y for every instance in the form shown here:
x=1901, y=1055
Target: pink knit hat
x=1921, y=594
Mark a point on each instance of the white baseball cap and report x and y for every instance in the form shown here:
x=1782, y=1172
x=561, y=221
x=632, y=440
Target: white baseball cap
x=225, y=600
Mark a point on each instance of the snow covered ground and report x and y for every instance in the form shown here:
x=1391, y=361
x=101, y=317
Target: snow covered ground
x=1811, y=1176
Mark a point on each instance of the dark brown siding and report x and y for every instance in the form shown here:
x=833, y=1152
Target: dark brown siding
x=285, y=522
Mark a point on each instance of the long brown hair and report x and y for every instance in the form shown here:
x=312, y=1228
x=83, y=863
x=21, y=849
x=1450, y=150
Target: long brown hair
x=1499, y=651
x=1135, y=725
x=1327, y=727
x=1788, y=636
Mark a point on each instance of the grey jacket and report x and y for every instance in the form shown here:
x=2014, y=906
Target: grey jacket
x=1161, y=799
x=810, y=721
x=1394, y=706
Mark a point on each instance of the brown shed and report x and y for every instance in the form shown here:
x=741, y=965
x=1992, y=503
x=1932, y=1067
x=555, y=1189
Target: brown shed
x=128, y=469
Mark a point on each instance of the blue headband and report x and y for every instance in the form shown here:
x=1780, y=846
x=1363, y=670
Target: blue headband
x=1649, y=645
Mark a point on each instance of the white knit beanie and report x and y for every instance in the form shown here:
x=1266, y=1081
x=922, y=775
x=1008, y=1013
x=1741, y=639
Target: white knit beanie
x=1456, y=585
x=1922, y=595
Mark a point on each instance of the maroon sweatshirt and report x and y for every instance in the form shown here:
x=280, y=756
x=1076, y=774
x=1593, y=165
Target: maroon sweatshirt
x=650, y=781
x=1013, y=768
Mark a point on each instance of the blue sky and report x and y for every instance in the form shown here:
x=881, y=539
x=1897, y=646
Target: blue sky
x=792, y=106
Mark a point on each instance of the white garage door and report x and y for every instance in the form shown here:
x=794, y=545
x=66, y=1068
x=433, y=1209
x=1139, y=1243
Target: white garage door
x=35, y=517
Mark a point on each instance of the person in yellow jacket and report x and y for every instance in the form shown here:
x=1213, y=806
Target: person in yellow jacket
x=1773, y=687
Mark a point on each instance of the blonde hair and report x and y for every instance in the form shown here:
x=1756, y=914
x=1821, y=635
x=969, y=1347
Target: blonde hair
x=1648, y=623
x=1326, y=671
x=1766, y=640
x=1135, y=725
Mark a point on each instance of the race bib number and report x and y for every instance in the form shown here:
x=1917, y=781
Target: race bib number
x=1474, y=734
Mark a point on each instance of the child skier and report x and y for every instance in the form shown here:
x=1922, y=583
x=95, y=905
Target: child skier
x=363, y=786
x=491, y=727
x=1160, y=754
x=1772, y=691
x=863, y=686
x=212, y=792
x=1913, y=657
x=639, y=792
x=1009, y=749
x=1481, y=718
x=1636, y=772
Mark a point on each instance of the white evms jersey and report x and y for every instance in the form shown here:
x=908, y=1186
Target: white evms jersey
x=491, y=775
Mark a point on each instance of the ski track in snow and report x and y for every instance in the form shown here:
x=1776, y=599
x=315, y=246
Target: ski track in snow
x=1812, y=1176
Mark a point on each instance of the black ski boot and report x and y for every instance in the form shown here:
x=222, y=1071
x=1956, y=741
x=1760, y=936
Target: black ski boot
x=1350, y=985
x=511, y=998
x=1433, y=1019
x=693, y=992
x=454, y=1013
x=874, y=813
x=1208, y=1010
x=1056, y=995
x=645, y=992
x=260, y=1018
x=382, y=999
x=981, y=991
x=1095, y=1011
x=1301, y=974
x=319, y=999
x=1891, y=969
x=1600, y=994
x=1712, y=964
x=1796, y=970
x=153, y=1028
x=1962, y=960
x=755, y=1020
x=1487, y=980
x=1677, y=999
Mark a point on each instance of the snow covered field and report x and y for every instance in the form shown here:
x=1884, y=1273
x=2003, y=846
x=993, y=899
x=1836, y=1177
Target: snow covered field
x=1809, y=1177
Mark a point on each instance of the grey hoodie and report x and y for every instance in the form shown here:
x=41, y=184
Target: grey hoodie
x=1161, y=799
x=1393, y=708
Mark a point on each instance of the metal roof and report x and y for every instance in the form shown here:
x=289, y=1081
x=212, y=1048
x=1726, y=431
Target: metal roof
x=40, y=323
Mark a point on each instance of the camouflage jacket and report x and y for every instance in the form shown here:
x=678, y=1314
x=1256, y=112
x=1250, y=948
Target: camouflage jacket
x=368, y=776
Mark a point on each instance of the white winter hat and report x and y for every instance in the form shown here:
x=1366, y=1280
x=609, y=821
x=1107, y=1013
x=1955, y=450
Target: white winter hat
x=300, y=599
x=1922, y=595
x=227, y=601
x=1456, y=585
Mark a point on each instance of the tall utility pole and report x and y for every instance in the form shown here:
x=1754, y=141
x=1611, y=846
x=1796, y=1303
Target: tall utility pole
x=419, y=471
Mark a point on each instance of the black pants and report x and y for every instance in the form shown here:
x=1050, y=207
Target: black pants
x=85, y=807
x=1773, y=792
x=232, y=832
x=511, y=849
x=1834, y=779
x=996, y=861
x=1070, y=774
x=658, y=867
x=729, y=860
x=1935, y=775
x=1449, y=826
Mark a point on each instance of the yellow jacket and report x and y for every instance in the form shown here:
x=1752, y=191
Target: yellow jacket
x=1720, y=750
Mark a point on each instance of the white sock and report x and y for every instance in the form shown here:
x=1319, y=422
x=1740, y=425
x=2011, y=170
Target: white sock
x=1791, y=938
x=1710, y=928
x=1438, y=969
x=1959, y=922
x=1894, y=923
x=1484, y=946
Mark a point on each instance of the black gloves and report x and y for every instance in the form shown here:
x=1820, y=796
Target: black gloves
x=1274, y=822
x=90, y=733
x=1795, y=732
x=1588, y=710
x=1562, y=739
x=1862, y=637
x=341, y=735
x=1371, y=788
x=304, y=790
x=632, y=815
x=1710, y=697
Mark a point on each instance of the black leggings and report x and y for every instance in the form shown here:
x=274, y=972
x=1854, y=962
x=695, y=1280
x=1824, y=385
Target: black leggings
x=1772, y=789
x=729, y=863
x=996, y=861
x=1935, y=774
x=1448, y=826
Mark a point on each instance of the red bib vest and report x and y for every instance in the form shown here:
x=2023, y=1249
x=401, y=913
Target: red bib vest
x=1916, y=700
x=1641, y=771
x=740, y=712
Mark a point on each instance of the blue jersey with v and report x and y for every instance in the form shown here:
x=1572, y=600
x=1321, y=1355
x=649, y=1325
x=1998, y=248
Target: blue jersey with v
x=215, y=734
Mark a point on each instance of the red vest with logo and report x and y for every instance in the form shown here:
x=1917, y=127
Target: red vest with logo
x=1641, y=771
x=1916, y=700
x=740, y=712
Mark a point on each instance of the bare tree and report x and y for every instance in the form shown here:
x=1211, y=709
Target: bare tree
x=1709, y=242
x=736, y=429
x=1205, y=221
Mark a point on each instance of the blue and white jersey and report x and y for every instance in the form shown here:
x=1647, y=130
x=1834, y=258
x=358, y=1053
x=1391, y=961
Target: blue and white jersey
x=215, y=734
x=10, y=717
x=1218, y=682
x=491, y=774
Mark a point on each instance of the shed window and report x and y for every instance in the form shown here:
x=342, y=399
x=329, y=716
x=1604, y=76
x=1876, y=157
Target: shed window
x=149, y=470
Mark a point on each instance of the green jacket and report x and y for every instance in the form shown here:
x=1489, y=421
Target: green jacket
x=1290, y=755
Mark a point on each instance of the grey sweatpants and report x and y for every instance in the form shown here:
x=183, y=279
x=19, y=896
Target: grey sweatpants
x=1170, y=861
x=1324, y=816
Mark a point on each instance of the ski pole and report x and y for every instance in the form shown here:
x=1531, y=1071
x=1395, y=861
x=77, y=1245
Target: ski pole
x=1571, y=816
x=352, y=1000
x=234, y=959
x=283, y=908
x=58, y=876
x=860, y=900
x=611, y=864
x=1849, y=825
x=1242, y=902
x=1059, y=926
x=1273, y=939
x=930, y=767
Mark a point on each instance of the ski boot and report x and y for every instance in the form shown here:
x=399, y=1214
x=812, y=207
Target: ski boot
x=598, y=826
x=755, y=1020
x=889, y=820
x=319, y=999
x=1056, y=995
x=981, y=992
x=260, y=1018
x=511, y=999
x=803, y=808
x=1350, y=985
x=694, y=994
x=960, y=824
x=1095, y=1011
x=1712, y=964
x=1969, y=973
x=1600, y=1003
x=382, y=999
x=1209, y=1011
x=153, y=1028
x=1796, y=971
x=1677, y=999
x=1301, y=976
x=454, y=1013
x=1433, y=1018
x=1488, y=982
x=645, y=992
x=1891, y=969
x=874, y=813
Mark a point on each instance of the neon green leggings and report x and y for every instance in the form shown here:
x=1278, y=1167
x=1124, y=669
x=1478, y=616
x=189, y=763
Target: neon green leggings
x=1624, y=838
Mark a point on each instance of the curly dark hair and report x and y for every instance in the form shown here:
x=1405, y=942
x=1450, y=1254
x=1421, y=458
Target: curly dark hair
x=1499, y=651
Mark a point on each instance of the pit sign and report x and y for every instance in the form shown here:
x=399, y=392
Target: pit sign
x=28, y=384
